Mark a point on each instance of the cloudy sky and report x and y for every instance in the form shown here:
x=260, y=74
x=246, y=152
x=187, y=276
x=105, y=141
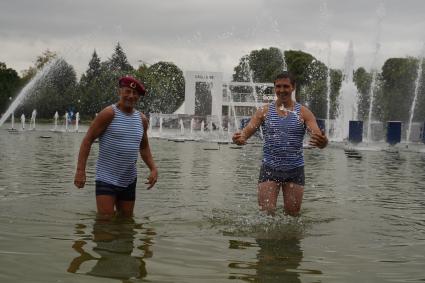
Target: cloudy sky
x=209, y=35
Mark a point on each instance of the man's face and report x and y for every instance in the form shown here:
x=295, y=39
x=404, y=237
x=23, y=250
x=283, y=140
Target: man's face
x=283, y=88
x=129, y=96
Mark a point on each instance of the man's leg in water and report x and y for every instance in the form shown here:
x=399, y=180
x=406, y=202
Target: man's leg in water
x=292, y=198
x=126, y=199
x=125, y=208
x=268, y=192
x=105, y=206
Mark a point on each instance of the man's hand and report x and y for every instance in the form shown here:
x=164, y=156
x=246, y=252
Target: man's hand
x=153, y=177
x=239, y=138
x=318, y=139
x=80, y=178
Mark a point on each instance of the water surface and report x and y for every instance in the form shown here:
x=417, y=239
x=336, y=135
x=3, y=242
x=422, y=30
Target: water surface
x=362, y=217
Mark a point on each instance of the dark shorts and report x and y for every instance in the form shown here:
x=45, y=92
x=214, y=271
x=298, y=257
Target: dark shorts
x=121, y=193
x=295, y=175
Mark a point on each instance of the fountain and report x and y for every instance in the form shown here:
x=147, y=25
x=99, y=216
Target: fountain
x=13, y=122
x=347, y=100
x=201, y=220
x=202, y=127
x=32, y=121
x=380, y=13
x=77, y=119
x=192, y=123
x=418, y=83
x=55, y=123
x=324, y=15
x=181, y=127
x=23, y=121
x=160, y=126
x=29, y=87
x=66, y=116
x=150, y=125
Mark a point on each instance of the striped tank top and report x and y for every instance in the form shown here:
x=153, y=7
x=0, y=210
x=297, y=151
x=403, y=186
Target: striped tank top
x=283, y=139
x=119, y=148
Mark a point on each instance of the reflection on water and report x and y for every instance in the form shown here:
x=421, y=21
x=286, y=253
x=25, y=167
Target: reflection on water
x=278, y=260
x=278, y=254
x=362, y=218
x=111, y=249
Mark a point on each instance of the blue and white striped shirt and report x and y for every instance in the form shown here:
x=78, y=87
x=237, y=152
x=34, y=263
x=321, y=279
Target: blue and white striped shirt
x=119, y=148
x=283, y=139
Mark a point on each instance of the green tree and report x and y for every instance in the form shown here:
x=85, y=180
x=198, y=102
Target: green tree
x=362, y=79
x=110, y=71
x=242, y=72
x=9, y=85
x=165, y=88
x=118, y=61
x=312, y=90
x=90, y=88
x=298, y=63
x=395, y=99
x=266, y=64
x=259, y=66
x=94, y=70
x=310, y=75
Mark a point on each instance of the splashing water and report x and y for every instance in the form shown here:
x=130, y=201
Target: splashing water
x=324, y=13
x=418, y=83
x=77, y=120
x=55, y=117
x=32, y=121
x=256, y=224
x=348, y=99
x=23, y=121
x=181, y=127
x=66, y=121
x=28, y=89
x=300, y=120
x=380, y=13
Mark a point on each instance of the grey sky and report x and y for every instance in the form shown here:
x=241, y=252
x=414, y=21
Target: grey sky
x=207, y=35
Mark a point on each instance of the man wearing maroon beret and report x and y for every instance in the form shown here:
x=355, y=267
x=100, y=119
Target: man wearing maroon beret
x=132, y=83
x=122, y=133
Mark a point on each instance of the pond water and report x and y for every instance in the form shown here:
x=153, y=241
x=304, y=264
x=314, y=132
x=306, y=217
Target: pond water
x=362, y=218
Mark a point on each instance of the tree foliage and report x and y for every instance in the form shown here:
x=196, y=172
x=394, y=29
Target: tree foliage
x=298, y=63
x=9, y=85
x=362, y=79
x=90, y=90
x=259, y=66
x=98, y=86
x=58, y=90
x=310, y=76
x=397, y=77
x=165, y=87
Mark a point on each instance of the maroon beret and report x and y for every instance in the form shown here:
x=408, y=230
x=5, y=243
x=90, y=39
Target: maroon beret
x=131, y=82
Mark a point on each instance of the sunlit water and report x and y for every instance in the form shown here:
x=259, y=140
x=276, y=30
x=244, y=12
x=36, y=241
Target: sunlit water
x=362, y=218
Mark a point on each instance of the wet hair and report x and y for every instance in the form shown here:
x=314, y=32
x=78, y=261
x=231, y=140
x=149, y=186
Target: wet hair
x=285, y=75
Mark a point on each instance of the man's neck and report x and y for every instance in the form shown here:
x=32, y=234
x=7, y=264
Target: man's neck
x=125, y=109
x=288, y=104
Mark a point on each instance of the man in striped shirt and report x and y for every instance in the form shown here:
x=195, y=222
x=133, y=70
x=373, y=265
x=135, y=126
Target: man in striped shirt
x=284, y=123
x=122, y=133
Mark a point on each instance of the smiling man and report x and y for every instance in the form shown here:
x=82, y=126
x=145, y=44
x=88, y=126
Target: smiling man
x=122, y=133
x=284, y=124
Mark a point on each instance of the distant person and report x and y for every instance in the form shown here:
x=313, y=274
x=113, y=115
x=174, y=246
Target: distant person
x=284, y=123
x=122, y=133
